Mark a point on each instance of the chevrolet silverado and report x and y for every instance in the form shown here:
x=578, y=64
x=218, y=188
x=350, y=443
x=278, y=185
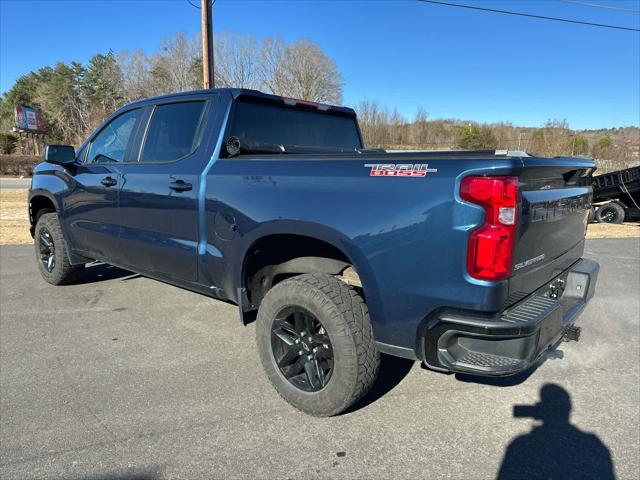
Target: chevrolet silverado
x=469, y=261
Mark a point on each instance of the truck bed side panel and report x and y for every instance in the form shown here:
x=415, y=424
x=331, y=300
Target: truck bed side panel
x=405, y=236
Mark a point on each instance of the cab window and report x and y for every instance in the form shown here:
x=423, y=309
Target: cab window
x=172, y=132
x=277, y=124
x=110, y=145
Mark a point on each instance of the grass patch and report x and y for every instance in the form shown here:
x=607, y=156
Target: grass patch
x=611, y=230
x=14, y=217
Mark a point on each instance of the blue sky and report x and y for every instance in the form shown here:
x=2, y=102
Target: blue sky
x=455, y=63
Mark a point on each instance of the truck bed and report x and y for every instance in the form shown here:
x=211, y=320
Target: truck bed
x=613, y=185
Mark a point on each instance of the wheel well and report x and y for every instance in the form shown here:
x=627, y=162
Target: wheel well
x=38, y=206
x=277, y=257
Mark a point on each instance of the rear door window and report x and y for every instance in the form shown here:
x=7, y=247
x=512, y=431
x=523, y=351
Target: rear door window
x=172, y=132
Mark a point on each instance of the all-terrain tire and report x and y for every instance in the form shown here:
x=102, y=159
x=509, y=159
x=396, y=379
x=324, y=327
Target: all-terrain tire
x=60, y=271
x=611, y=212
x=345, y=316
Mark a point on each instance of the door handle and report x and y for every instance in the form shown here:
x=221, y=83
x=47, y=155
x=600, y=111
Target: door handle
x=180, y=186
x=108, y=181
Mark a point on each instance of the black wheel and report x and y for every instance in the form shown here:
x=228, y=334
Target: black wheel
x=302, y=349
x=51, y=251
x=315, y=343
x=610, y=213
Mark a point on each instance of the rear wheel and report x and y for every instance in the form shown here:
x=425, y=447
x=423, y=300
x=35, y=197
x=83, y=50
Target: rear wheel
x=51, y=252
x=610, y=213
x=315, y=343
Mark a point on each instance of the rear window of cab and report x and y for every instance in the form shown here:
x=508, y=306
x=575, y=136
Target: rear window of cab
x=277, y=124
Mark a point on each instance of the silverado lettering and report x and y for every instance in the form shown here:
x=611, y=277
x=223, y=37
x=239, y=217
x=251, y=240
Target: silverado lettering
x=553, y=210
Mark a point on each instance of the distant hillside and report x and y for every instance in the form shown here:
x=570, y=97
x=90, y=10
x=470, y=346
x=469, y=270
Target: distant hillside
x=627, y=146
x=612, y=148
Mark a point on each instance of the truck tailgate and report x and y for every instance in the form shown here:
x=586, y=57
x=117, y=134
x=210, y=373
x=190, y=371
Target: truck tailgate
x=555, y=200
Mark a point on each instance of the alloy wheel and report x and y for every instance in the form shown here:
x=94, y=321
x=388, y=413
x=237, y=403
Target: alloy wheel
x=47, y=250
x=302, y=349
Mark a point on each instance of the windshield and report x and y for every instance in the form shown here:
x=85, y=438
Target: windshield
x=288, y=126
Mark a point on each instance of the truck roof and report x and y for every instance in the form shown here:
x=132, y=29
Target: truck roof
x=238, y=93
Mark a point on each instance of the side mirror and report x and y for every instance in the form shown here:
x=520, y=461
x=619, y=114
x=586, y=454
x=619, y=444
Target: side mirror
x=59, y=154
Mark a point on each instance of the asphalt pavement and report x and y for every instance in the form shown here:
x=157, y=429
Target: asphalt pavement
x=123, y=377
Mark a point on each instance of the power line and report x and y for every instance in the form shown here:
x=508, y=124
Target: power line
x=598, y=5
x=194, y=6
x=530, y=15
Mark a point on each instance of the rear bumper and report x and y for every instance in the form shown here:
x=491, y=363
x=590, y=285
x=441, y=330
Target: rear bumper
x=514, y=340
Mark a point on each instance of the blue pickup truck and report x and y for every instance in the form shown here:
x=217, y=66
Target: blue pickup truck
x=469, y=261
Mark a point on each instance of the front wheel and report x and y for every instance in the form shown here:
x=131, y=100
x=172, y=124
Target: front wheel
x=315, y=343
x=51, y=251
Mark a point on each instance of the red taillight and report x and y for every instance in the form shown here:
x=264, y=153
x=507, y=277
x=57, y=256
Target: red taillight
x=490, y=249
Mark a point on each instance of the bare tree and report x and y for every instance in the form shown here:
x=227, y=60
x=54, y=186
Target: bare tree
x=176, y=67
x=301, y=70
x=419, y=129
x=298, y=69
x=551, y=140
x=236, y=61
x=311, y=73
x=270, y=68
x=374, y=123
x=136, y=76
x=506, y=136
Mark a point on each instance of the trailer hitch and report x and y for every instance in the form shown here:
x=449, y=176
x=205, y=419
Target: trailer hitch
x=571, y=333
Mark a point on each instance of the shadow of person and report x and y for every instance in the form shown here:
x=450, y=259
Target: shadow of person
x=554, y=449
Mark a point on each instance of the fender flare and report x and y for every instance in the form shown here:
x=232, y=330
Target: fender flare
x=336, y=239
x=40, y=192
x=74, y=258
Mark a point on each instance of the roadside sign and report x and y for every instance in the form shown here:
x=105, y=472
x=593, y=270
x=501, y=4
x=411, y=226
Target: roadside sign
x=29, y=119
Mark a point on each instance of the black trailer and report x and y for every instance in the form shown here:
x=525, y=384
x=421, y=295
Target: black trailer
x=616, y=196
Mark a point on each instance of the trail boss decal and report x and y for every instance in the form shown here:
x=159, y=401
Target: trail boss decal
x=399, y=169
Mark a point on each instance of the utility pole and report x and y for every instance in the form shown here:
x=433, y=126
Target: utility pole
x=207, y=44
